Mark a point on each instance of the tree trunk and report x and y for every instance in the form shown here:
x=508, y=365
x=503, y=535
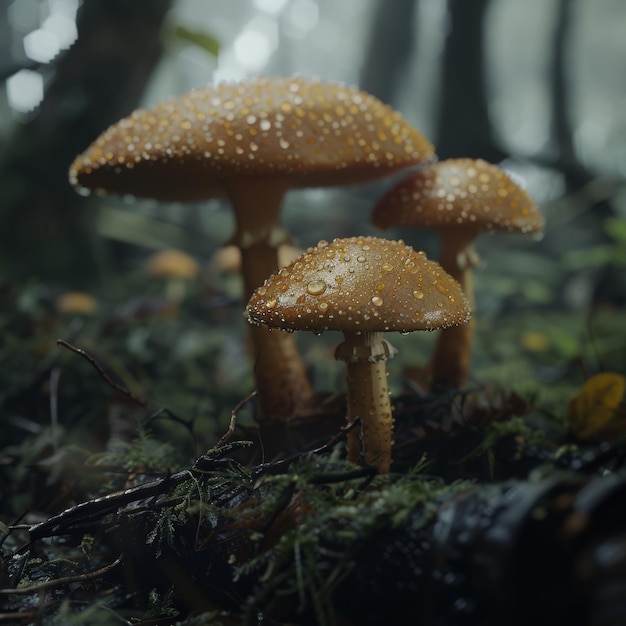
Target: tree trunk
x=464, y=128
x=99, y=79
x=391, y=42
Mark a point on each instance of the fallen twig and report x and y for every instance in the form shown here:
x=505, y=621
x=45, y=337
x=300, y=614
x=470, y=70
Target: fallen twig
x=50, y=584
x=100, y=370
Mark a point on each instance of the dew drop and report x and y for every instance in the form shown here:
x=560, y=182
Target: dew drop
x=316, y=288
x=418, y=294
x=377, y=301
x=361, y=258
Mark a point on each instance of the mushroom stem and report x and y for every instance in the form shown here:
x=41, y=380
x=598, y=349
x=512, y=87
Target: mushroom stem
x=282, y=383
x=451, y=360
x=368, y=397
x=257, y=203
x=175, y=290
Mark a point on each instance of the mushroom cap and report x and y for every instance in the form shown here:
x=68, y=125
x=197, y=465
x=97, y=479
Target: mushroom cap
x=227, y=259
x=76, y=303
x=172, y=264
x=470, y=193
x=314, y=133
x=363, y=284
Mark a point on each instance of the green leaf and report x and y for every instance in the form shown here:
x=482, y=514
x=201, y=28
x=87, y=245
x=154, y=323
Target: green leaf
x=203, y=40
x=596, y=256
x=616, y=228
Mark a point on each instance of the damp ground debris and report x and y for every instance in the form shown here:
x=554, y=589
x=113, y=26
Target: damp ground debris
x=137, y=486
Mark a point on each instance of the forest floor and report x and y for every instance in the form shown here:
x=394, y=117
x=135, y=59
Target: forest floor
x=127, y=499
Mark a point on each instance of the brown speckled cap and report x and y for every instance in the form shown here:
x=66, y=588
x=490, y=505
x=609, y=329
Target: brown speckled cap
x=361, y=283
x=455, y=192
x=314, y=133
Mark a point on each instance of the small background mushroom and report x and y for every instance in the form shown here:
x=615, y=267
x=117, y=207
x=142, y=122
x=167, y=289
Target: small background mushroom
x=76, y=303
x=459, y=199
x=177, y=269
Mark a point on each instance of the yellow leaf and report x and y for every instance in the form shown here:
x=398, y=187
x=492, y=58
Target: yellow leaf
x=596, y=404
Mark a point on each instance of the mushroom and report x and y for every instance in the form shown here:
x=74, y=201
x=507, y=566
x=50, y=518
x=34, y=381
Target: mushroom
x=225, y=266
x=76, y=303
x=459, y=198
x=227, y=259
x=363, y=287
x=176, y=268
x=252, y=141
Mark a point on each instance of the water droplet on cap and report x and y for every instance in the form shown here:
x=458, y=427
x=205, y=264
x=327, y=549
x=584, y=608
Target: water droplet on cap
x=316, y=288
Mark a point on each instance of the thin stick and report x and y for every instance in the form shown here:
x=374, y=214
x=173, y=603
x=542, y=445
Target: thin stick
x=16, y=618
x=86, y=511
x=55, y=374
x=233, y=419
x=50, y=584
x=105, y=376
x=337, y=436
x=275, y=467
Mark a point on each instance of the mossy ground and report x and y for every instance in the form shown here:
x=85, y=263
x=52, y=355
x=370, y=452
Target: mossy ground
x=280, y=526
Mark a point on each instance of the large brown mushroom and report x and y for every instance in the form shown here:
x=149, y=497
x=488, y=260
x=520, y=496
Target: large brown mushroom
x=459, y=198
x=363, y=287
x=251, y=142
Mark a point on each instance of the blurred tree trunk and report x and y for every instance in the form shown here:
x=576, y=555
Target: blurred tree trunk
x=588, y=228
x=389, y=48
x=561, y=127
x=464, y=128
x=577, y=176
x=98, y=80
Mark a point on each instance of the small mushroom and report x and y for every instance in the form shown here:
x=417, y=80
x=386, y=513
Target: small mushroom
x=176, y=268
x=227, y=259
x=251, y=142
x=363, y=287
x=76, y=303
x=459, y=198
